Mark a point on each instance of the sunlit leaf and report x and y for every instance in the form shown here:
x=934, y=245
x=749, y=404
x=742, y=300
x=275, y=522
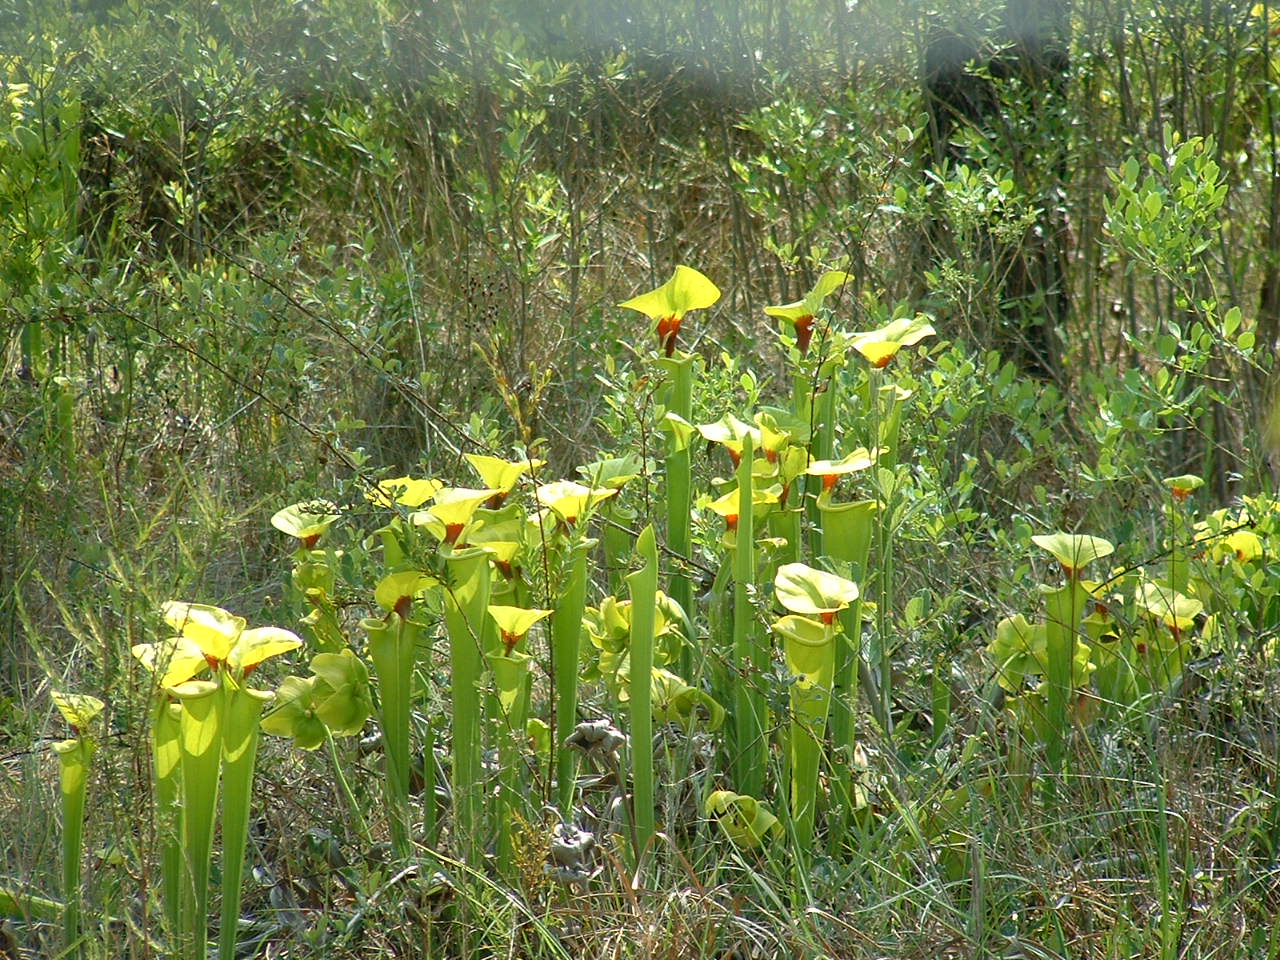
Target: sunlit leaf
x=1074, y=550
x=1167, y=605
x=1241, y=546
x=457, y=505
x=686, y=290
x=173, y=660
x=729, y=432
x=307, y=521
x=1019, y=649
x=394, y=588
x=859, y=459
x=1183, y=485
x=882, y=345
x=801, y=313
x=804, y=590
x=212, y=629
x=727, y=504
x=674, y=701
x=809, y=305
x=613, y=472
x=343, y=699
x=516, y=621
x=78, y=709
x=261, y=643
x=570, y=499
x=501, y=475
x=407, y=491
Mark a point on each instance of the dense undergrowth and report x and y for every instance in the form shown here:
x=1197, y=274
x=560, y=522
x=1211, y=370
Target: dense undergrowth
x=987, y=668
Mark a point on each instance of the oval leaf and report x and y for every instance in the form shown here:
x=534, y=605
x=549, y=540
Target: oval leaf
x=687, y=290
x=78, y=709
x=1073, y=550
x=804, y=590
x=172, y=661
x=212, y=629
x=259, y=644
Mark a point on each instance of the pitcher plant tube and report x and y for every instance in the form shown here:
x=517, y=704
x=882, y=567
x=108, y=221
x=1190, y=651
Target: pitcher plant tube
x=75, y=756
x=643, y=585
x=1065, y=609
x=466, y=604
x=682, y=369
x=569, y=501
x=879, y=347
x=509, y=665
x=814, y=384
x=617, y=517
x=392, y=644
x=217, y=745
x=848, y=529
x=750, y=654
x=813, y=598
x=1180, y=530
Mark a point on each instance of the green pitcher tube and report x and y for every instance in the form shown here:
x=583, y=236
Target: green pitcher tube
x=467, y=621
x=847, y=531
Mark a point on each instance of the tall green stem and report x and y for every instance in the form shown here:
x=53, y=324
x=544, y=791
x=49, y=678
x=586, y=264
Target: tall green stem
x=425, y=645
x=823, y=446
x=430, y=825
x=682, y=368
x=801, y=392
x=847, y=528
x=166, y=757
x=511, y=679
x=805, y=407
x=64, y=433
x=810, y=653
x=243, y=710
x=890, y=423
x=466, y=618
x=643, y=585
x=617, y=539
x=1064, y=607
x=566, y=638
x=391, y=648
x=200, y=741
x=33, y=350
x=344, y=787
x=719, y=608
x=74, y=758
x=1179, y=530
x=884, y=438
x=786, y=523
x=883, y=654
x=750, y=655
